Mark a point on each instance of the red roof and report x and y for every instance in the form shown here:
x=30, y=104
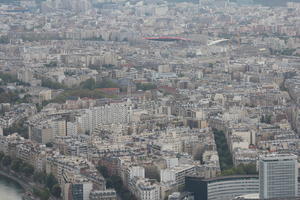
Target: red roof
x=167, y=89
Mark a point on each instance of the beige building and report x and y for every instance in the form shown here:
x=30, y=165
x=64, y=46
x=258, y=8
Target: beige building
x=45, y=95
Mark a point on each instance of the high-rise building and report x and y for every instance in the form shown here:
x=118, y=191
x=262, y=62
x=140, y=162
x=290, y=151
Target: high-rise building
x=278, y=176
x=113, y=113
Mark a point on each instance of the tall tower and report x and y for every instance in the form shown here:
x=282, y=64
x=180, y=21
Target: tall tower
x=278, y=176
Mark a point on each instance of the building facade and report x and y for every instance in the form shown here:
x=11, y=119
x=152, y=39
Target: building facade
x=222, y=188
x=278, y=176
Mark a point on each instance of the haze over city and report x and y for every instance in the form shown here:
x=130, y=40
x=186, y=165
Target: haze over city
x=149, y=99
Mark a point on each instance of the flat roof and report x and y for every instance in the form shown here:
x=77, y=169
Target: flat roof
x=276, y=157
x=224, y=178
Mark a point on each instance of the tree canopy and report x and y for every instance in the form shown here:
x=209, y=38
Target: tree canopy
x=116, y=182
x=248, y=169
x=225, y=157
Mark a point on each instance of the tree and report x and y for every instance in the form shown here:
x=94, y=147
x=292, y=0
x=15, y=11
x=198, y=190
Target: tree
x=145, y=86
x=4, y=39
x=51, y=64
x=103, y=170
x=28, y=169
x=225, y=157
x=89, y=84
x=56, y=191
x=6, y=161
x=106, y=84
x=16, y=165
x=1, y=155
x=40, y=177
x=94, y=66
x=242, y=169
x=50, y=181
x=49, y=144
x=109, y=183
x=152, y=172
x=51, y=84
x=17, y=127
x=250, y=168
x=9, y=97
x=44, y=194
x=117, y=182
x=8, y=78
x=266, y=119
x=126, y=195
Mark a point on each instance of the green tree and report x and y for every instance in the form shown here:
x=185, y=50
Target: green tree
x=250, y=168
x=56, y=191
x=28, y=170
x=117, y=182
x=51, y=64
x=43, y=194
x=51, y=84
x=106, y=83
x=4, y=39
x=1, y=155
x=89, y=84
x=103, y=170
x=16, y=165
x=152, y=172
x=225, y=157
x=145, y=86
x=8, y=78
x=266, y=119
x=109, y=183
x=242, y=169
x=50, y=181
x=40, y=177
x=17, y=127
x=49, y=144
x=6, y=161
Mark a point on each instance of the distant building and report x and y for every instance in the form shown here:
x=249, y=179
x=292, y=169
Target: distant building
x=109, y=194
x=278, y=176
x=77, y=190
x=25, y=75
x=176, y=174
x=145, y=189
x=45, y=95
x=181, y=196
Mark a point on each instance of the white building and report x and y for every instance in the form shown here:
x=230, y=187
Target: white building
x=136, y=171
x=59, y=127
x=278, y=176
x=176, y=174
x=25, y=75
x=146, y=189
x=171, y=162
x=45, y=95
x=113, y=113
x=72, y=128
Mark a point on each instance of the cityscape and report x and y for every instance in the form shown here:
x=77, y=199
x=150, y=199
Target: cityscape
x=149, y=99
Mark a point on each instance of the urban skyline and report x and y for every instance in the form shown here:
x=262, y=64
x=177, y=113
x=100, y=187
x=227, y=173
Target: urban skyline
x=150, y=99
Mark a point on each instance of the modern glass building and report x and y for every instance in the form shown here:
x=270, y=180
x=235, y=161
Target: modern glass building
x=278, y=176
